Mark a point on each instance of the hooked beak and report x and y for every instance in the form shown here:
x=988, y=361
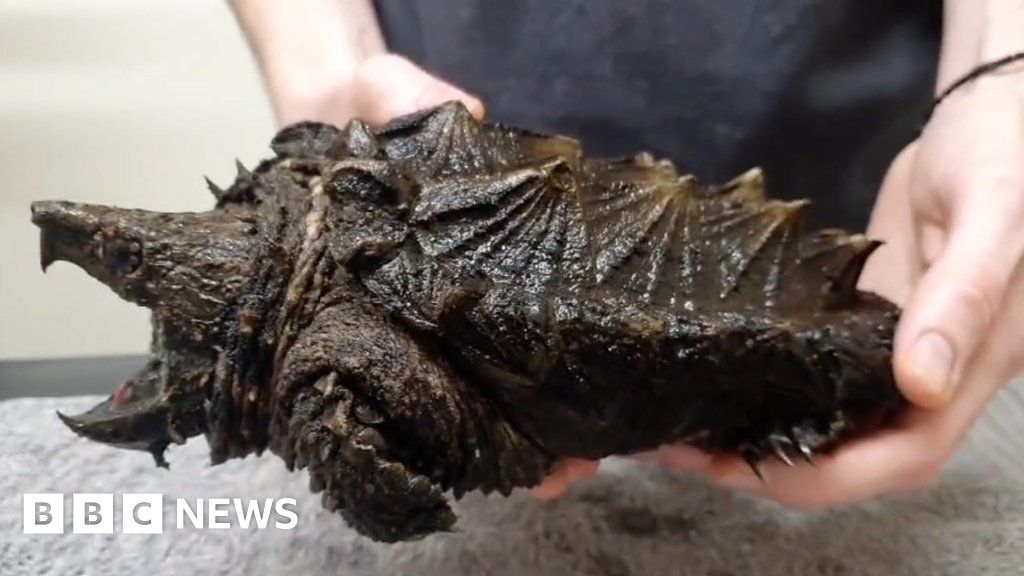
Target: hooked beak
x=95, y=238
x=67, y=232
x=189, y=268
x=188, y=265
x=134, y=417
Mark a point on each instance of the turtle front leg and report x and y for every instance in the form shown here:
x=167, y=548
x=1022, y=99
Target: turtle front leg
x=385, y=426
x=349, y=459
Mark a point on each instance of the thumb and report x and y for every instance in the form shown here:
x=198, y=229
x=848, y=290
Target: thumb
x=389, y=85
x=956, y=301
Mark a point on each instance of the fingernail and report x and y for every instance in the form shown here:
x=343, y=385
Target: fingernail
x=931, y=357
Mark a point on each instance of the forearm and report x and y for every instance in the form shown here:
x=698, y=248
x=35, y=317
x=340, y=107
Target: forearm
x=307, y=50
x=979, y=31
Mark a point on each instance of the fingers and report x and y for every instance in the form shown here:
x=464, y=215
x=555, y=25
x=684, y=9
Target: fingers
x=562, y=475
x=388, y=85
x=958, y=298
x=567, y=471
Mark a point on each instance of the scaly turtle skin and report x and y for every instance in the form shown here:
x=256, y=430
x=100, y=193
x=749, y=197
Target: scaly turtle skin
x=446, y=304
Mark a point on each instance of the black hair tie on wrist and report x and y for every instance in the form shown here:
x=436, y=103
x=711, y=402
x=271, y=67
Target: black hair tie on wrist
x=973, y=75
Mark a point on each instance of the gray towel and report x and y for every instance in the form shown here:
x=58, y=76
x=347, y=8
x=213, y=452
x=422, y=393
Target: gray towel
x=631, y=519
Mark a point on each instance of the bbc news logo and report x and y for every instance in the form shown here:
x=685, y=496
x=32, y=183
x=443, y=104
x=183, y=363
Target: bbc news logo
x=144, y=513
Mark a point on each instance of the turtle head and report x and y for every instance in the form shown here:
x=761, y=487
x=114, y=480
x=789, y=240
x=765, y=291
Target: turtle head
x=187, y=267
x=190, y=269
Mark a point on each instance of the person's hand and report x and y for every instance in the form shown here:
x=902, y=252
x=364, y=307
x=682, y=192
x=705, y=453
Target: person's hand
x=951, y=211
x=380, y=88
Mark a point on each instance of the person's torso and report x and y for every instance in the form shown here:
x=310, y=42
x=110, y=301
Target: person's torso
x=820, y=93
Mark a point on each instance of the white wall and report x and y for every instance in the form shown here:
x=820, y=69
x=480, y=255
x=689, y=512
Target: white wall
x=125, y=102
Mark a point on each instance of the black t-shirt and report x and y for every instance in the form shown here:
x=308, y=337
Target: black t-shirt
x=821, y=93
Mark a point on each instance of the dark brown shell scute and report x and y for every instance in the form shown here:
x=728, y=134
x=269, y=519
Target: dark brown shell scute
x=449, y=304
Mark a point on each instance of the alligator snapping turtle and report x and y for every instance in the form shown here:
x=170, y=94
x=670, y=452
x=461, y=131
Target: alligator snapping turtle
x=447, y=304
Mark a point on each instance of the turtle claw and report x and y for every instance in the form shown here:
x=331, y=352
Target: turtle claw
x=784, y=445
x=779, y=450
x=806, y=453
x=753, y=456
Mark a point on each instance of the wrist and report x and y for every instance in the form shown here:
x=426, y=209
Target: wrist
x=1004, y=36
x=1009, y=79
x=308, y=52
x=1002, y=33
x=307, y=92
x=977, y=32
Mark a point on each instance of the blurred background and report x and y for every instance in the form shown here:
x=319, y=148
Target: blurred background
x=122, y=102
